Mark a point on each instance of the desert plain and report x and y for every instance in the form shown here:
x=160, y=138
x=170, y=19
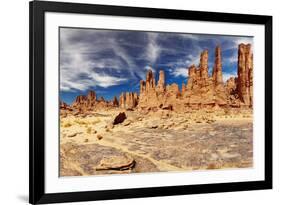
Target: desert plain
x=161, y=141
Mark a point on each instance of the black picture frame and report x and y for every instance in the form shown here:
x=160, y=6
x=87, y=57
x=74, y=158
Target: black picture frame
x=37, y=9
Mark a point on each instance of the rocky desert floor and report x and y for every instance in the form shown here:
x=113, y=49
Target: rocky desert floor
x=91, y=144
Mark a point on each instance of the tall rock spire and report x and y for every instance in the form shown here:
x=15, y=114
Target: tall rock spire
x=161, y=81
x=191, y=76
x=150, y=80
x=204, y=64
x=122, y=99
x=142, y=86
x=245, y=73
x=115, y=102
x=217, y=71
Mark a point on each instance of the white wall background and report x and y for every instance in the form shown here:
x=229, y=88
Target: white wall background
x=14, y=44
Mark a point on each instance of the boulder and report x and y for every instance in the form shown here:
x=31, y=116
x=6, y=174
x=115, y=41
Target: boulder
x=119, y=118
x=116, y=163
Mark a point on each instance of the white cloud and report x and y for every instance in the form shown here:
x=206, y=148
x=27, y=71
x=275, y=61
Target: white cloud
x=194, y=56
x=245, y=40
x=193, y=60
x=71, y=81
x=238, y=40
x=82, y=58
x=180, y=72
x=84, y=65
x=153, y=49
x=233, y=59
x=226, y=76
x=106, y=80
x=149, y=68
x=190, y=36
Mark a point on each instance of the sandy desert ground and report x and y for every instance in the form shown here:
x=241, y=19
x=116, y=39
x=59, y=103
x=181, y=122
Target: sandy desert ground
x=154, y=142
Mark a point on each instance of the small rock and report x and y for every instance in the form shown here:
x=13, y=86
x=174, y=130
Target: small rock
x=99, y=137
x=209, y=121
x=154, y=126
x=76, y=113
x=86, y=140
x=171, y=125
x=167, y=107
x=116, y=163
x=119, y=118
x=109, y=126
x=83, y=115
x=74, y=134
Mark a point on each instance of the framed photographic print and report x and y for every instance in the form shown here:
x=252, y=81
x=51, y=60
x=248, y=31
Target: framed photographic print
x=140, y=102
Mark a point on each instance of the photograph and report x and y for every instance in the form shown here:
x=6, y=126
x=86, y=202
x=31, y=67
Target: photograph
x=135, y=102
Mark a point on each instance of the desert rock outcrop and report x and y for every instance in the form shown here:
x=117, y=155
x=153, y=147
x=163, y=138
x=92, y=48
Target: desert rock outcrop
x=90, y=102
x=245, y=74
x=63, y=105
x=217, y=70
x=128, y=100
x=201, y=90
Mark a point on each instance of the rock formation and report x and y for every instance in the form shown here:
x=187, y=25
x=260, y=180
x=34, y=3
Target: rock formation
x=183, y=88
x=63, y=105
x=80, y=102
x=90, y=102
x=217, y=70
x=122, y=100
x=115, y=102
x=161, y=82
x=91, y=98
x=150, y=81
x=231, y=92
x=128, y=100
x=148, y=93
x=201, y=90
x=245, y=74
x=142, y=87
x=204, y=65
x=119, y=118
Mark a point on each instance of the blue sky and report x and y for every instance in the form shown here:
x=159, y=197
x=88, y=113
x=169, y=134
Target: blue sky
x=112, y=61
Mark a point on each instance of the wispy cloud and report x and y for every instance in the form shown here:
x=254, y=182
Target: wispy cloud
x=232, y=59
x=192, y=59
x=153, y=49
x=190, y=36
x=91, y=58
x=82, y=64
x=106, y=80
x=233, y=43
x=179, y=72
x=226, y=76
